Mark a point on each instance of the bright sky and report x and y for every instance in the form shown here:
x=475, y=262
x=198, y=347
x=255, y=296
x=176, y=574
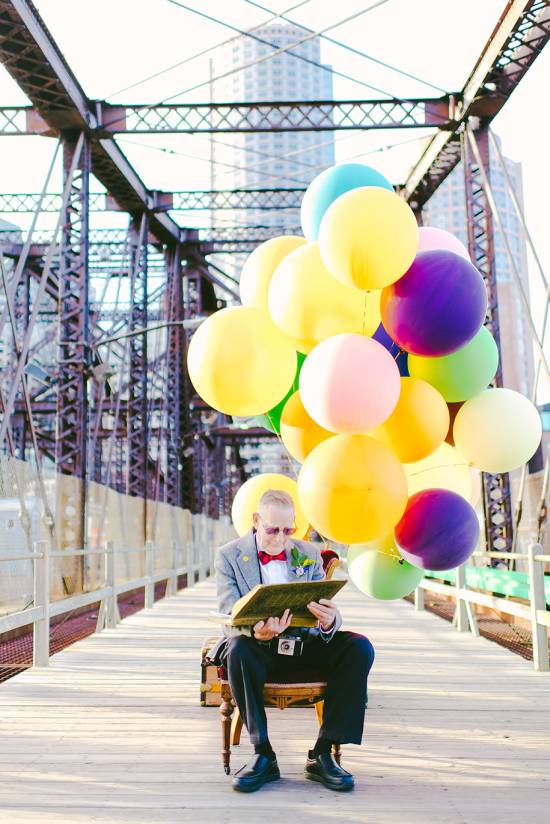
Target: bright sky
x=110, y=45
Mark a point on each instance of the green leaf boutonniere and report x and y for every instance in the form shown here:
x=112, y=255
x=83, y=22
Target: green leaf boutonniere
x=299, y=562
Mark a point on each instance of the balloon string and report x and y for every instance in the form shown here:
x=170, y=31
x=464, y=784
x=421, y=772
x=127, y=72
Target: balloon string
x=325, y=541
x=441, y=466
x=287, y=456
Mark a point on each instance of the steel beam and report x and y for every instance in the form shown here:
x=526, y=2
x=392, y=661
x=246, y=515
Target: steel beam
x=73, y=359
x=307, y=115
x=276, y=116
x=21, y=311
x=179, y=483
x=137, y=387
x=27, y=202
x=257, y=199
x=71, y=438
x=115, y=240
x=515, y=43
x=496, y=488
x=33, y=59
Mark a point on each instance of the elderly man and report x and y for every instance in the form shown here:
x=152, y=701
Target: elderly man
x=263, y=555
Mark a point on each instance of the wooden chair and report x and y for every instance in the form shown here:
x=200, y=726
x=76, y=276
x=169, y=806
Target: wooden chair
x=301, y=688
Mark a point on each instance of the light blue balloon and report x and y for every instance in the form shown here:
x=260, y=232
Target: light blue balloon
x=330, y=184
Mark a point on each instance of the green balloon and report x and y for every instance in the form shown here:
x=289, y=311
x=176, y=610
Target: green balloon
x=462, y=374
x=380, y=575
x=272, y=420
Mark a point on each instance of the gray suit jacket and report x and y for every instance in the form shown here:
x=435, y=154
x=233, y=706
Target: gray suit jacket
x=238, y=571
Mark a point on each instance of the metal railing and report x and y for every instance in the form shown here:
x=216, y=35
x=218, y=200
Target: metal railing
x=199, y=560
x=535, y=611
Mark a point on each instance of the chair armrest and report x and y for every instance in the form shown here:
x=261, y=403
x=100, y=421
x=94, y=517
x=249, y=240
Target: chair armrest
x=331, y=559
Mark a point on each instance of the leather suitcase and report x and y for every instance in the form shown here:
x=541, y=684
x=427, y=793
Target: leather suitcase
x=210, y=683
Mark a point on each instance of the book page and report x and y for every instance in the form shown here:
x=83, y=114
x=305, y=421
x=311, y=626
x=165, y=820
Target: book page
x=271, y=600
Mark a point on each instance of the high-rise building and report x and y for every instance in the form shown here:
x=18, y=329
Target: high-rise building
x=270, y=159
x=446, y=209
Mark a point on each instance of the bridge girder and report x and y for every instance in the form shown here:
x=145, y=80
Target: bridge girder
x=60, y=108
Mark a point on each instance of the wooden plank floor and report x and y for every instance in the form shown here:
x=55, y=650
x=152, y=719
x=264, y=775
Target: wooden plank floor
x=457, y=730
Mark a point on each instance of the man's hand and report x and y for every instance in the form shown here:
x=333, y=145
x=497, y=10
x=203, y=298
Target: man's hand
x=325, y=611
x=266, y=630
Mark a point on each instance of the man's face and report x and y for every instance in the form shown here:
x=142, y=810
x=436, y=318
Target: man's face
x=270, y=518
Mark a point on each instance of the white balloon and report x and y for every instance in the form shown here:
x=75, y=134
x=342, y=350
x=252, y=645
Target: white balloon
x=498, y=430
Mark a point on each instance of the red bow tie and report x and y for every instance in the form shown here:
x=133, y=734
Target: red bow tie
x=265, y=558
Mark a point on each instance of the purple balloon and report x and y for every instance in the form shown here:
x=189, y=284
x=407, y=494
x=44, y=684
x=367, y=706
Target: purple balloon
x=438, y=305
x=438, y=531
x=402, y=360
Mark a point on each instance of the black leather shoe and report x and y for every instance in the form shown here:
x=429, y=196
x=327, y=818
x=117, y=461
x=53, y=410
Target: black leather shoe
x=259, y=770
x=324, y=769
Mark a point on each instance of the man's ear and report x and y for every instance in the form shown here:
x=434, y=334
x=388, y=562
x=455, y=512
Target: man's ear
x=256, y=520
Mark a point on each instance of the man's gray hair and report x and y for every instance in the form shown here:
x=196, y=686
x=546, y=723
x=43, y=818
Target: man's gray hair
x=276, y=497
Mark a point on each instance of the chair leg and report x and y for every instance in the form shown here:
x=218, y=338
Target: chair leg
x=337, y=753
x=319, y=711
x=236, y=728
x=226, y=710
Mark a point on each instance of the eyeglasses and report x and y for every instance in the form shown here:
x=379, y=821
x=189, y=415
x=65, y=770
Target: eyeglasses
x=274, y=530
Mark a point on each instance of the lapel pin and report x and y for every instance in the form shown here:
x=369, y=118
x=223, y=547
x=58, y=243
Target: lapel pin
x=245, y=558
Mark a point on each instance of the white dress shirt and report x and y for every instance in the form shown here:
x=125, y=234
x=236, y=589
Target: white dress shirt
x=274, y=572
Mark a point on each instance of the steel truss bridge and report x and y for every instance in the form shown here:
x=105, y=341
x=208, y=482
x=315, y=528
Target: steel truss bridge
x=114, y=405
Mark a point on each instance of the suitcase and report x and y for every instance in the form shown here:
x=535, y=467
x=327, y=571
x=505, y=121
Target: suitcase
x=210, y=683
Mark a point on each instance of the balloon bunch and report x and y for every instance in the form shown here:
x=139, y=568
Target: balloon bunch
x=362, y=346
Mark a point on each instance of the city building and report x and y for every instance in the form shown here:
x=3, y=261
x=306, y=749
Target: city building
x=446, y=209
x=269, y=159
x=264, y=160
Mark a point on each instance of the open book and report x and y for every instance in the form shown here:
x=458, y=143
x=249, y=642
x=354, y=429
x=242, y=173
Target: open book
x=271, y=600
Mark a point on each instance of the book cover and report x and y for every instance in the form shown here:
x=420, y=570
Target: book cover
x=271, y=600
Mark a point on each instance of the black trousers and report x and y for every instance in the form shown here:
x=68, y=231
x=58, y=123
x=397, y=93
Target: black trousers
x=345, y=660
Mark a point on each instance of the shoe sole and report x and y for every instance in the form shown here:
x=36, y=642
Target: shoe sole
x=253, y=788
x=342, y=788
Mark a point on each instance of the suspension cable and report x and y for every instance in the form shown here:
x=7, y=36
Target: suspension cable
x=204, y=52
x=281, y=49
x=347, y=47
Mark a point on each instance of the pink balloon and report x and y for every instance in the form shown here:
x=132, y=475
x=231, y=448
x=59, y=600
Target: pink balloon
x=349, y=384
x=432, y=239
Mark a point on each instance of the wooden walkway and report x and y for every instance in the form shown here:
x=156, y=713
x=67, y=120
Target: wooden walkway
x=457, y=731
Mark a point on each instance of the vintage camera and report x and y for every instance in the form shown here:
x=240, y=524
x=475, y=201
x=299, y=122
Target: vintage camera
x=288, y=645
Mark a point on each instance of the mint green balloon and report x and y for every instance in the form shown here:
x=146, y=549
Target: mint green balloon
x=380, y=575
x=462, y=374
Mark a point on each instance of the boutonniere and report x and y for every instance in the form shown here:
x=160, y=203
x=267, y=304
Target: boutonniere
x=299, y=562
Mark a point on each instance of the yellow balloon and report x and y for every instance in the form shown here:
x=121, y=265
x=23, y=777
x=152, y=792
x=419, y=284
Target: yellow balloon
x=443, y=469
x=368, y=237
x=240, y=363
x=300, y=433
x=307, y=303
x=418, y=424
x=247, y=499
x=260, y=265
x=352, y=488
